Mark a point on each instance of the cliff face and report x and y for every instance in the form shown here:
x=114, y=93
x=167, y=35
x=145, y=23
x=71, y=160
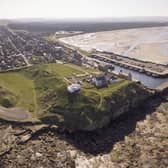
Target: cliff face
x=113, y=105
x=127, y=97
x=122, y=101
x=145, y=146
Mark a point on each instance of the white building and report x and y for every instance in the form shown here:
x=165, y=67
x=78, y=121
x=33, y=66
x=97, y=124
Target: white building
x=74, y=88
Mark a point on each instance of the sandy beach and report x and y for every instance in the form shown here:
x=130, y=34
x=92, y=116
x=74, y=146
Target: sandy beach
x=148, y=44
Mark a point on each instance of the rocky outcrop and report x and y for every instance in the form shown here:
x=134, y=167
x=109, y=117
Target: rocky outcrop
x=122, y=101
x=143, y=146
x=146, y=147
x=113, y=105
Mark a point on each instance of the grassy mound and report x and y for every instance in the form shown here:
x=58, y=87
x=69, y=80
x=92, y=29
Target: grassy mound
x=7, y=99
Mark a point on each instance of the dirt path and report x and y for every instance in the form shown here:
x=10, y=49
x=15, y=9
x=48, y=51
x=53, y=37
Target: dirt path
x=17, y=114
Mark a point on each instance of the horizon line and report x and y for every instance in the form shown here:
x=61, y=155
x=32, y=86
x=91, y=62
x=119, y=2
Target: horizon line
x=77, y=18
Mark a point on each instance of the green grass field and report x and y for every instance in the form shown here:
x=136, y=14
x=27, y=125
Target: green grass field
x=21, y=87
x=42, y=87
x=67, y=70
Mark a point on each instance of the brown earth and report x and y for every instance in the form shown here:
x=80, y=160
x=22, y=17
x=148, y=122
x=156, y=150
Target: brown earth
x=17, y=114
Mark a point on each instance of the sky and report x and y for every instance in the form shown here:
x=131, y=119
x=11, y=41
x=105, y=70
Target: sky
x=81, y=8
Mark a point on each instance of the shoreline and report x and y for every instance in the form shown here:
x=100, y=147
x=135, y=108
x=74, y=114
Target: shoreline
x=131, y=43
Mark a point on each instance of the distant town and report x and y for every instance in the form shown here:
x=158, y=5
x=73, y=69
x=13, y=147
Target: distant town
x=20, y=49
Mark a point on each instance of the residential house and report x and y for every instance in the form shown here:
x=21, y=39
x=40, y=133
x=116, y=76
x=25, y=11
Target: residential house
x=100, y=81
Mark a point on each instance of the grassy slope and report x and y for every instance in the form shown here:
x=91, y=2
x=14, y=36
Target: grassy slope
x=25, y=87
x=20, y=86
x=107, y=91
x=67, y=70
x=42, y=88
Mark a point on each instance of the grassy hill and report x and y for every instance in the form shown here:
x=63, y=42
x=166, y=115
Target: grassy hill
x=21, y=87
x=26, y=85
x=42, y=89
